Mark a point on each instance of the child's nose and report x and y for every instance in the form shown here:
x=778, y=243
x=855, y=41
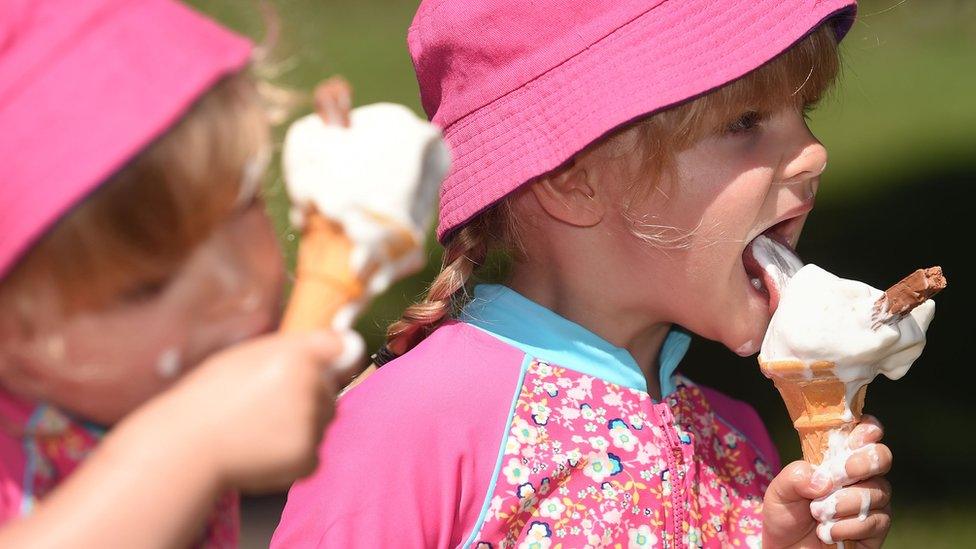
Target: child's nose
x=807, y=162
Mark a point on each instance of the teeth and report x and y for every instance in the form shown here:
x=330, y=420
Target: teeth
x=756, y=283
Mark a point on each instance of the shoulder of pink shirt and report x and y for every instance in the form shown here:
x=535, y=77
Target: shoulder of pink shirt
x=418, y=440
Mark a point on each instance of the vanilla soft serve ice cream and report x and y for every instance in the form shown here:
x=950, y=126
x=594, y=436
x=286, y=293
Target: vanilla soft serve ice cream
x=824, y=318
x=377, y=177
x=388, y=163
x=820, y=317
x=363, y=195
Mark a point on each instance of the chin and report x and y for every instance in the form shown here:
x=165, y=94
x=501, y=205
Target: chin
x=748, y=337
x=748, y=348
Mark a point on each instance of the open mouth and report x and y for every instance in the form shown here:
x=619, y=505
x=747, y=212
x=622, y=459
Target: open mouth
x=770, y=260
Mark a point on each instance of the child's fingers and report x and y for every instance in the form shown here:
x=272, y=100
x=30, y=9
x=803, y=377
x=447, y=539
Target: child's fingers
x=340, y=355
x=351, y=354
x=335, y=352
x=871, y=460
x=869, y=532
x=854, y=501
x=867, y=431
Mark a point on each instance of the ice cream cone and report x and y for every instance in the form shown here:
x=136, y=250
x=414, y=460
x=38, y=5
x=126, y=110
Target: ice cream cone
x=325, y=281
x=827, y=339
x=817, y=404
x=816, y=401
x=332, y=283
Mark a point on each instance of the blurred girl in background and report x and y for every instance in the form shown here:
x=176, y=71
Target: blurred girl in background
x=134, y=253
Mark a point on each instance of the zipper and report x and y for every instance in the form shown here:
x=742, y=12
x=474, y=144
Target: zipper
x=675, y=461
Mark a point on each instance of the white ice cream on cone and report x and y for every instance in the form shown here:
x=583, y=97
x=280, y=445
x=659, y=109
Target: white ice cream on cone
x=825, y=318
x=366, y=192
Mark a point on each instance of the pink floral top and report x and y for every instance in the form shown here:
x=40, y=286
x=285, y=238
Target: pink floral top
x=40, y=446
x=518, y=428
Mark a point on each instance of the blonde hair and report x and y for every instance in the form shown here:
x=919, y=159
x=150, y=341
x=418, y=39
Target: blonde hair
x=798, y=77
x=133, y=232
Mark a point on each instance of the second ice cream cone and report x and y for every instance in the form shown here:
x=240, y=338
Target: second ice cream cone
x=335, y=275
x=325, y=281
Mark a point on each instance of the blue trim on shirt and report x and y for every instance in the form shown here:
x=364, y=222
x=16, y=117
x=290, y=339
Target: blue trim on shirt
x=543, y=334
x=486, y=505
x=33, y=454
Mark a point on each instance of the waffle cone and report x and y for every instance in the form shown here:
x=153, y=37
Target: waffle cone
x=325, y=280
x=816, y=401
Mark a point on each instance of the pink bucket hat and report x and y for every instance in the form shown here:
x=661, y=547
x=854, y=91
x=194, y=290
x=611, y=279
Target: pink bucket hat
x=520, y=87
x=84, y=86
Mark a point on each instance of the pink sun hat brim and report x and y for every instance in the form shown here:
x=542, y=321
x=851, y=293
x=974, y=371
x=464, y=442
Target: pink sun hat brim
x=86, y=85
x=666, y=53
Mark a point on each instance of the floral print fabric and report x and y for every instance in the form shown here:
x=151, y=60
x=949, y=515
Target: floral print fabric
x=55, y=444
x=588, y=463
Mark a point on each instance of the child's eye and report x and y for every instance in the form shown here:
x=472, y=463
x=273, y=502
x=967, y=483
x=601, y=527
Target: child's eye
x=746, y=123
x=808, y=108
x=145, y=291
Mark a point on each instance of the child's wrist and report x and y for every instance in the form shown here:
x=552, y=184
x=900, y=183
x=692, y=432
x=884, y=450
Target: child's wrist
x=158, y=438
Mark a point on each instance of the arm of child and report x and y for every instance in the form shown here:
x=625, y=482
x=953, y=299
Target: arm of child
x=249, y=418
x=804, y=506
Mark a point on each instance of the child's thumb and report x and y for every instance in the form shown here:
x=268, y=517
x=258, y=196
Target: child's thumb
x=797, y=482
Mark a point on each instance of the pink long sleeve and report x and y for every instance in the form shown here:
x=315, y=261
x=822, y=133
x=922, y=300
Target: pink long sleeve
x=14, y=414
x=410, y=455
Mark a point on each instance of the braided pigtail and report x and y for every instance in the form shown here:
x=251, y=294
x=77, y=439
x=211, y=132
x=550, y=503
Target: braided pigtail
x=465, y=252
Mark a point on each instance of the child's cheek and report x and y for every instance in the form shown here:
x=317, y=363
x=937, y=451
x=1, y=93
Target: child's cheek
x=231, y=290
x=99, y=367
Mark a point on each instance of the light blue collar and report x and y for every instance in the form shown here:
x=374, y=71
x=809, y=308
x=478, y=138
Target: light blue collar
x=541, y=333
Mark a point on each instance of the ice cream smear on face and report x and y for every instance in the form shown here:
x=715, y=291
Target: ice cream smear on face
x=822, y=318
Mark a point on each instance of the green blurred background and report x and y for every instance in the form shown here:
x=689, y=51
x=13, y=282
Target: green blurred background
x=901, y=131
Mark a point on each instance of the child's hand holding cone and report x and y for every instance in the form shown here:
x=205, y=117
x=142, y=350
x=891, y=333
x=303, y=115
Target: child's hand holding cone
x=807, y=506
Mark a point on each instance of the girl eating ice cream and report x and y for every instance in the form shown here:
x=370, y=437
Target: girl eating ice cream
x=624, y=155
x=134, y=249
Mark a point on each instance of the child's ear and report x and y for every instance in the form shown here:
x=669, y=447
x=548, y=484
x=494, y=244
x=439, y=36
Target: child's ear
x=568, y=196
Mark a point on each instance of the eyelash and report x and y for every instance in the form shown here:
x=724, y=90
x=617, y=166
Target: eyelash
x=145, y=291
x=749, y=121
x=746, y=123
x=808, y=109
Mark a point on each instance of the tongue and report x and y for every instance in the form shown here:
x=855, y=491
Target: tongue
x=773, y=262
